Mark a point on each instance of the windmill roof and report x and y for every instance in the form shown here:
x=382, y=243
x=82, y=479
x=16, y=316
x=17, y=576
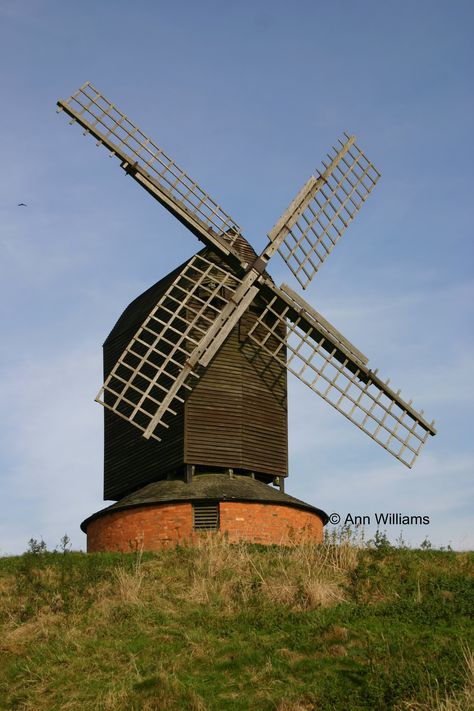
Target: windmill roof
x=139, y=308
x=205, y=487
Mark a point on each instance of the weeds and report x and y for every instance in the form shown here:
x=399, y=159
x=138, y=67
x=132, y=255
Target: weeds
x=302, y=576
x=463, y=700
x=130, y=581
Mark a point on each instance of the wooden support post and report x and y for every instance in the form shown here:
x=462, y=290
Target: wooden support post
x=189, y=470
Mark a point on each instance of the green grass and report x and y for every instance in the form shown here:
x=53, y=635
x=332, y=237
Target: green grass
x=238, y=627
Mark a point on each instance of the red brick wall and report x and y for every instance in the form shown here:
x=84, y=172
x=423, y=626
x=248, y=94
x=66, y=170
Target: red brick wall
x=163, y=525
x=267, y=523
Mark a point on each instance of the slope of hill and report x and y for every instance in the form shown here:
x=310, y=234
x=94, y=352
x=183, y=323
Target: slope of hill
x=337, y=626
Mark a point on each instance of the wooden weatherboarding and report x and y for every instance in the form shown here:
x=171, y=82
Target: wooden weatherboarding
x=196, y=367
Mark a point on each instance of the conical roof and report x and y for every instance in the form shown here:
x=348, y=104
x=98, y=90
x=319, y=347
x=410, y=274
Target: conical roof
x=206, y=487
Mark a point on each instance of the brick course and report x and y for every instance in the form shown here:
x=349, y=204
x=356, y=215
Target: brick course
x=160, y=525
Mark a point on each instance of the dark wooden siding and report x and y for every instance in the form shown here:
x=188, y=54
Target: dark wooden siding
x=131, y=461
x=236, y=416
x=233, y=419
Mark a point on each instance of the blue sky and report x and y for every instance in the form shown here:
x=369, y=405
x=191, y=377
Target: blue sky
x=248, y=97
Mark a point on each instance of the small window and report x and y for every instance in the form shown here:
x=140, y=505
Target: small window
x=206, y=517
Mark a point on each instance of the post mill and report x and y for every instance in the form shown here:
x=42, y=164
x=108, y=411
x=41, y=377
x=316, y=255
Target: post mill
x=195, y=390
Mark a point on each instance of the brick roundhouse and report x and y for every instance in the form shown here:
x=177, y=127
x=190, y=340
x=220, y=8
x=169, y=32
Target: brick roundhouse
x=166, y=513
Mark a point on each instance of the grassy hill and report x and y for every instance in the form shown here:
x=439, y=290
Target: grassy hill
x=330, y=627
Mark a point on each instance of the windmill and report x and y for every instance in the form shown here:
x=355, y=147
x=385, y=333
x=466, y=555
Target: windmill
x=195, y=368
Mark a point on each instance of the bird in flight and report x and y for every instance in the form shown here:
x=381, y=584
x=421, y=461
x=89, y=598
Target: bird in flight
x=22, y=204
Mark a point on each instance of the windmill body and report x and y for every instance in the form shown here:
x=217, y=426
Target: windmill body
x=234, y=419
x=196, y=367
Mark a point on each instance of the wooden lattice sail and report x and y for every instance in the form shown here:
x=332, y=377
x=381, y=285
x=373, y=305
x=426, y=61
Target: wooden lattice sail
x=224, y=288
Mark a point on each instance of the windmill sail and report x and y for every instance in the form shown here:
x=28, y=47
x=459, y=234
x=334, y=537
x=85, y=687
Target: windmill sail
x=157, y=368
x=150, y=166
x=334, y=369
x=315, y=220
x=201, y=306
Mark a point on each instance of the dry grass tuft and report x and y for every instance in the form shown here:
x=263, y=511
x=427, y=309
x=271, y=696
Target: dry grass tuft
x=113, y=699
x=337, y=650
x=292, y=656
x=285, y=705
x=15, y=640
x=302, y=576
x=337, y=634
x=129, y=586
x=463, y=701
x=130, y=583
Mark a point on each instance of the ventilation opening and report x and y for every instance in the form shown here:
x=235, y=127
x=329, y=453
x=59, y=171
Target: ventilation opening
x=206, y=517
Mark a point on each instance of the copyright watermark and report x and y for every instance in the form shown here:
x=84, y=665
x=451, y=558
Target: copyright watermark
x=384, y=519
